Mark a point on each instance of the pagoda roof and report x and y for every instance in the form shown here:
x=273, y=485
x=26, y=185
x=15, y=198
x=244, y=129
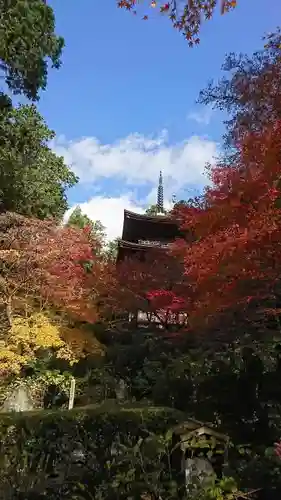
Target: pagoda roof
x=148, y=227
x=127, y=248
x=140, y=246
x=162, y=218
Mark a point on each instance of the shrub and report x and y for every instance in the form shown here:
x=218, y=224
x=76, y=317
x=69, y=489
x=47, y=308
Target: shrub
x=97, y=452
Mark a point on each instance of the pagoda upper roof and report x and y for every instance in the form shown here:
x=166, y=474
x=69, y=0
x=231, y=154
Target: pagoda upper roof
x=162, y=218
x=148, y=227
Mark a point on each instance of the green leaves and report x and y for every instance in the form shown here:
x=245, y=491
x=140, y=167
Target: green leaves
x=82, y=221
x=33, y=178
x=27, y=42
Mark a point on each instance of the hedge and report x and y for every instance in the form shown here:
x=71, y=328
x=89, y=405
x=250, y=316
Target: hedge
x=95, y=452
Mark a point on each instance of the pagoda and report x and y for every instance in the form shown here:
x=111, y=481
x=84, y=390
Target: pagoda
x=143, y=232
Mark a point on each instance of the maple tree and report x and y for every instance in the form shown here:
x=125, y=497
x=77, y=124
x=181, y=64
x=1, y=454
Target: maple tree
x=20, y=275
x=48, y=275
x=249, y=93
x=186, y=15
x=104, y=249
x=236, y=255
x=151, y=285
x=75, y=272
x=31, y=336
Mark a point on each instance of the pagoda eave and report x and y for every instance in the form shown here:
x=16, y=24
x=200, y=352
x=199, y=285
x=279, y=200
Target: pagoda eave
x=141, y=246
x=165, y=219
x=128, y=249
x=148, y=227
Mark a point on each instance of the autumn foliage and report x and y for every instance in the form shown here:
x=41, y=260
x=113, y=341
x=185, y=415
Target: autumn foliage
x=152, y=285
x=233, y=259
x=30, y=337
x=236, y=255
x=50, y=280
x=75, y=274
x=186, y=15
x=249, y=92
x=57, y=264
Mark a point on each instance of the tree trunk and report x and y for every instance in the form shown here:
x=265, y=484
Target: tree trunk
x=5, y=318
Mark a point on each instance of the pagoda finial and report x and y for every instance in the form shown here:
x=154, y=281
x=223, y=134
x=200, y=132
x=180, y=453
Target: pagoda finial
x=160, y=195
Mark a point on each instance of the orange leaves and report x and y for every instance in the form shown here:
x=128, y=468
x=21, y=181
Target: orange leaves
x=20, y=274
x=236, y=256
x=149, y=286
x=227, y=5
x=46, y=268
x=74, y=272
x=125, y=4
x=29, y=335
x=186, y=15
x=59, y=266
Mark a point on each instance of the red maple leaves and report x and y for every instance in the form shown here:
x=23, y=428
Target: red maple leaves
x=186, y=16
x=236, y=255
x=165, y=300
x=57, y=267
x=152, y=286
x=278, y=449
x=74, y=271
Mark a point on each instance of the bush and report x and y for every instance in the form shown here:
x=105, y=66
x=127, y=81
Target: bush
x=94, y=452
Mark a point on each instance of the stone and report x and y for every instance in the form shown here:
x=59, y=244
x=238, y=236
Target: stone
x=198, y=470
x=121, y=391
x=19, y=400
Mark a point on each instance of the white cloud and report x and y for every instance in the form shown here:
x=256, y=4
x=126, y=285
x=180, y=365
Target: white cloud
x=203, y=117
x=137, y=159
x=110, y=211
x=132, y=162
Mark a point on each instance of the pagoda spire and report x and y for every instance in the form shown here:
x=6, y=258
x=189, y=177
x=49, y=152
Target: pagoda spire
x=160, y=195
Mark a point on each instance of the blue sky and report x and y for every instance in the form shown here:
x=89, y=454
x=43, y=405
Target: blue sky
x=123, y=103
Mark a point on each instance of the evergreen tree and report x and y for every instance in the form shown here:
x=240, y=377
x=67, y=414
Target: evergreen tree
x=33, y=179
x=27, y=43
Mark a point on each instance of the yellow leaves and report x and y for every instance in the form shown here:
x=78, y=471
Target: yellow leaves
x=29, y=335
x=81, y=342
x=34, y=333
x=10, y=362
